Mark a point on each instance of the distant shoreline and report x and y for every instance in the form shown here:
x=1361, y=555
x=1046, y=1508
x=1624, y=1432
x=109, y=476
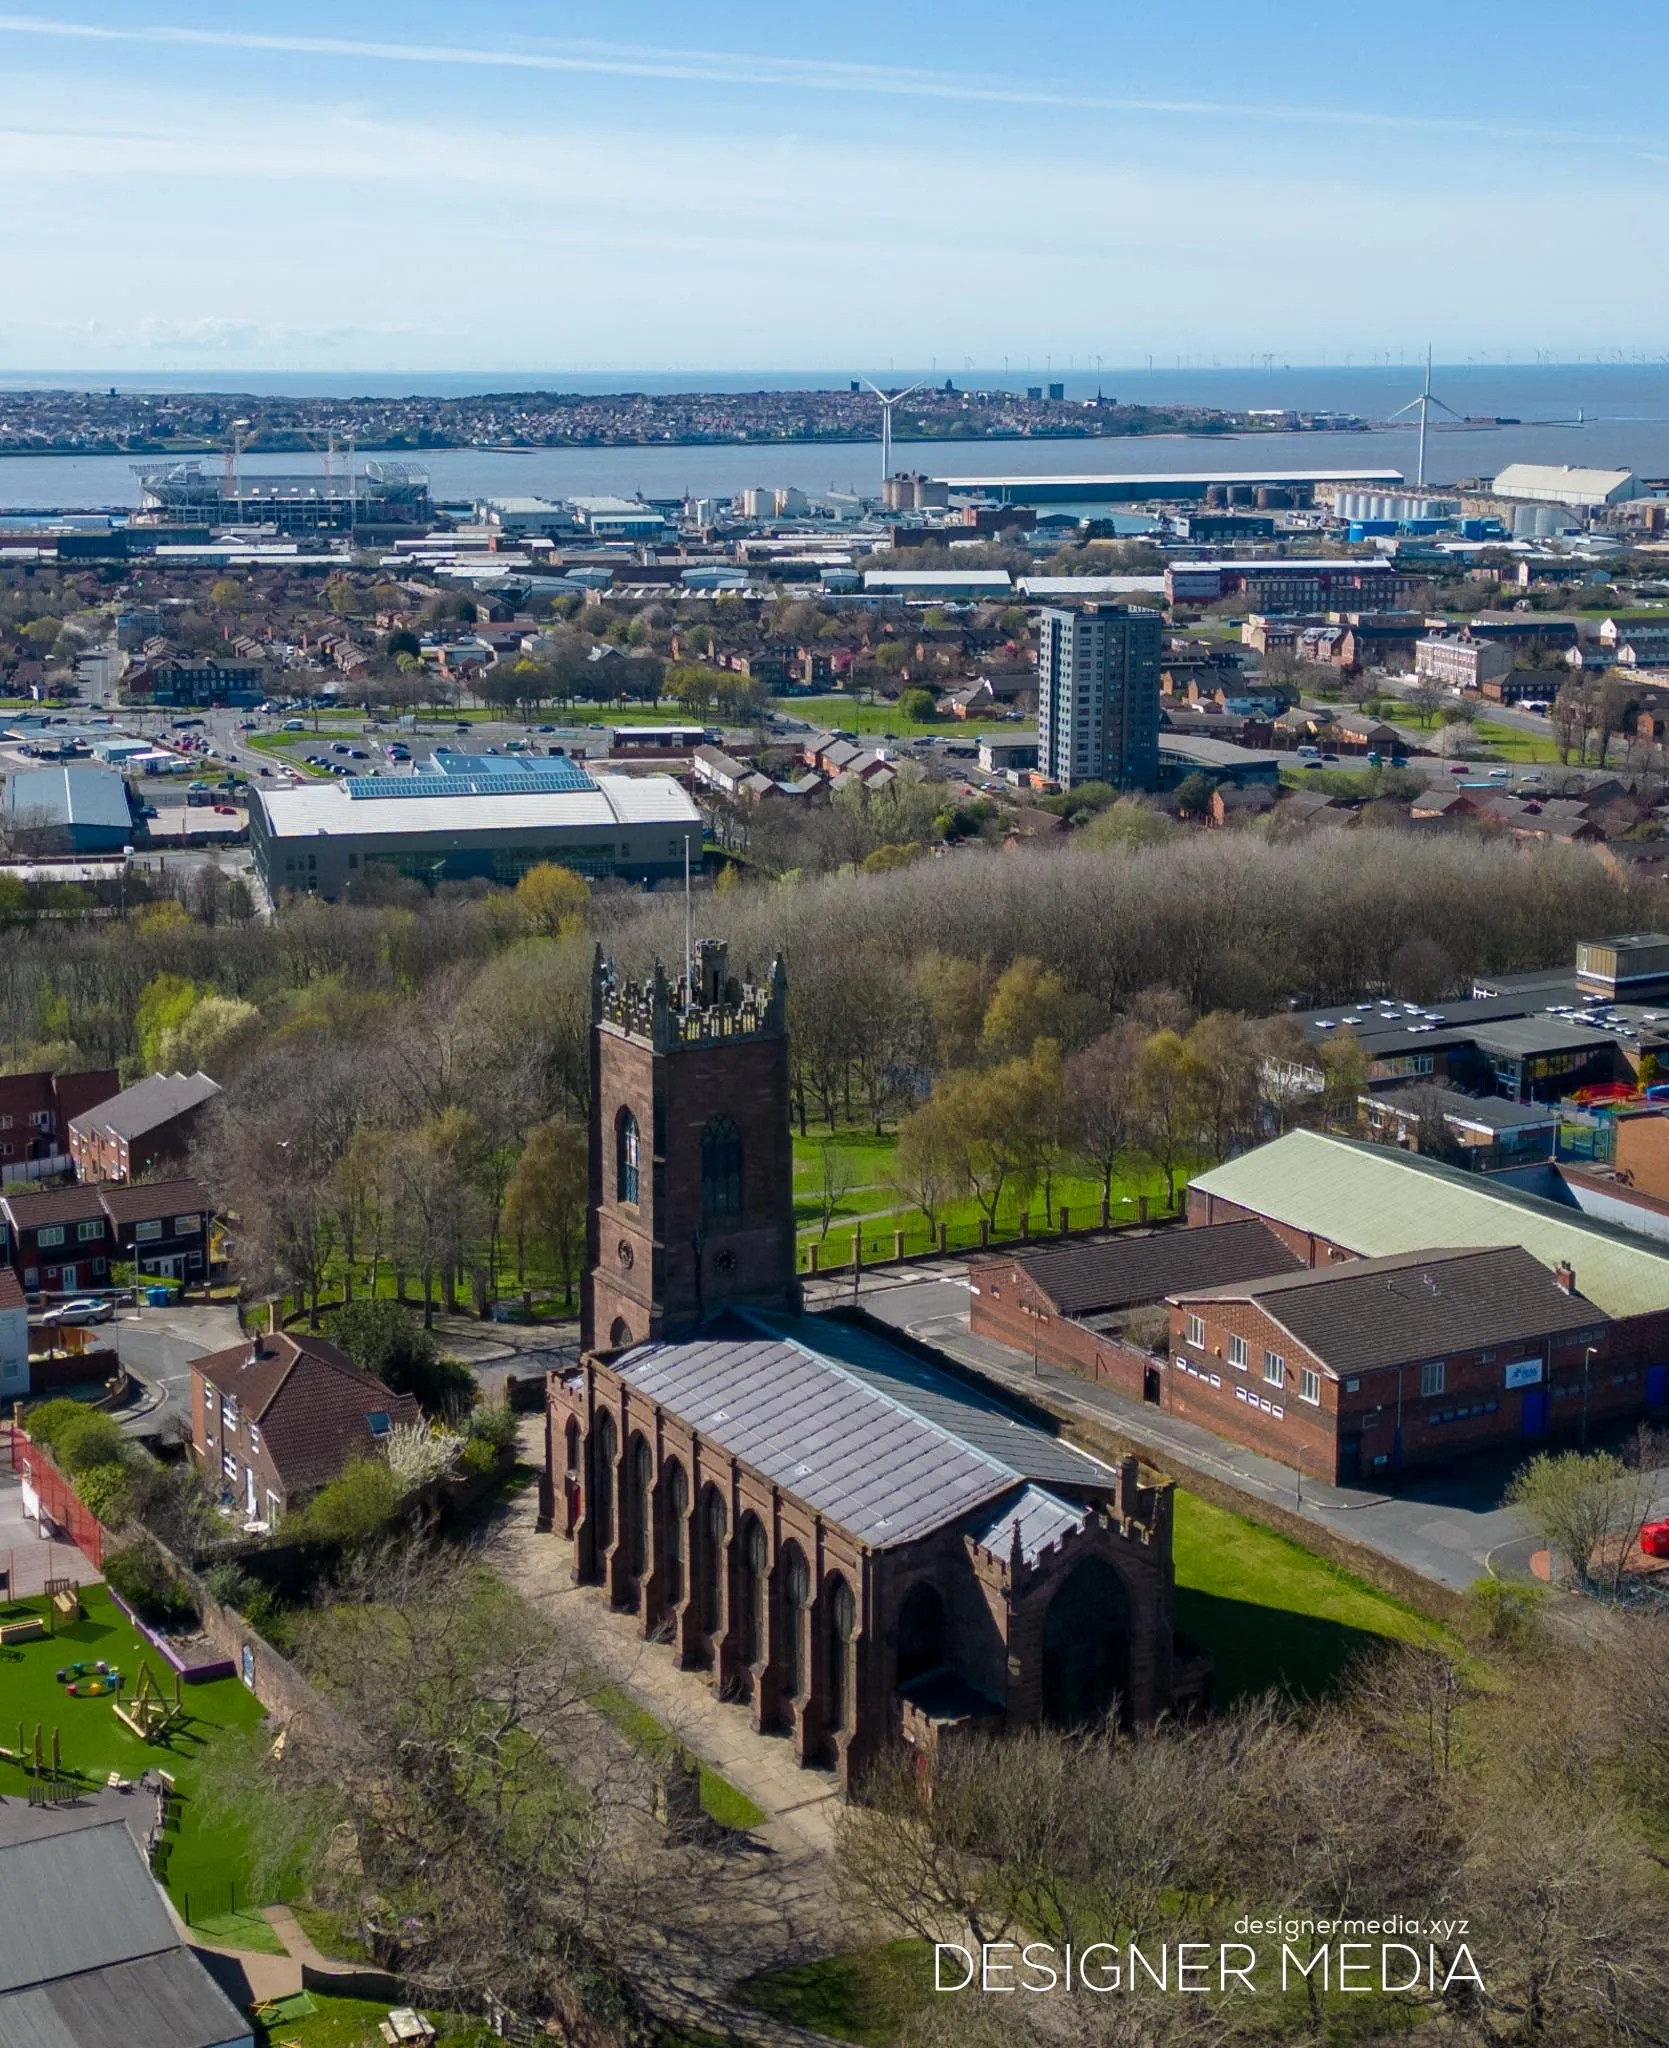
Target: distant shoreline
x=404, y=452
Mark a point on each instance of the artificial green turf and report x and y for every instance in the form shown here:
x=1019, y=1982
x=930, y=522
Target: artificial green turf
x=208, y=1866
x=352, y=2023
x=1271, y=1614
x=865, y=1996
x=239, y=1930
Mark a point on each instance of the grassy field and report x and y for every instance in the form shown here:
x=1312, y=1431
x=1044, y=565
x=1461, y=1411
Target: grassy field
x=864, y=1996
x=851, y=715
x=720, y=1800
x=1272, y=1614
x=207, y=1866
x=316, y=2020
x=872, y=1206
x=1513, y=744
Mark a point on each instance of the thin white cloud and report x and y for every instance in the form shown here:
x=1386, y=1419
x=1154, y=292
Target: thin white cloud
x=748, y=69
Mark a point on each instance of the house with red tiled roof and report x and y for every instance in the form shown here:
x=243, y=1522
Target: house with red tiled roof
x=279, y=1415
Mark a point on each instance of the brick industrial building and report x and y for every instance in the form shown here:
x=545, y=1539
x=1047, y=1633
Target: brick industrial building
x=1358, y=1308
x=849, y=1538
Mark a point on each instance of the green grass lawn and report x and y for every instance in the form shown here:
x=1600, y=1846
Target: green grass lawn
x=1513, y=744
x=868, y=1163
x=849, y=714
x=865, y=1996
x=206, y=1864
x=1270, y=1613
x=720, y=1800
x=316, y=2020
x=282, y=747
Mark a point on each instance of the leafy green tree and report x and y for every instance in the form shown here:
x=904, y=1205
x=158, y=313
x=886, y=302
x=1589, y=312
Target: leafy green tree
x=546, y=1197
x=553, y=900
x=918, y=704
x=355, y=1506
x=164, y=1005
x=389, y=1342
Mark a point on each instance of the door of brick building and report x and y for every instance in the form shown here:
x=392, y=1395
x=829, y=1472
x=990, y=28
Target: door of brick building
x=1534, y=1419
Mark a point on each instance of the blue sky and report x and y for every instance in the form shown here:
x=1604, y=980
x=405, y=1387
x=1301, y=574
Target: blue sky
x=509, y=185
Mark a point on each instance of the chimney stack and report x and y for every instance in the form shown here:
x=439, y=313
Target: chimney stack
x=1565, y=1274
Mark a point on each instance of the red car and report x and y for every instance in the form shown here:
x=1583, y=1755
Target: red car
x=1654, y=1539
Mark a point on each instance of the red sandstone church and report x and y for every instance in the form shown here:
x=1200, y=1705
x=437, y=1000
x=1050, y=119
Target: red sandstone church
x=854, y=1541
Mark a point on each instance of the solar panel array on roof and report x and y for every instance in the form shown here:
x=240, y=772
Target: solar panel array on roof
x=550, y=775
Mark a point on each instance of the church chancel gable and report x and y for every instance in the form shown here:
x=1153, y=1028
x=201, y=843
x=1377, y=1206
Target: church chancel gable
x=855, y=1543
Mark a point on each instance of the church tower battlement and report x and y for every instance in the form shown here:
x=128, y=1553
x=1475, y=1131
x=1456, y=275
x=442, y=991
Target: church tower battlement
x=691, y=1158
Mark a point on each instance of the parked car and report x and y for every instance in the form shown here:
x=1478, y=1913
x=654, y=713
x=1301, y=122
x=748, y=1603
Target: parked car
x=87, y=1310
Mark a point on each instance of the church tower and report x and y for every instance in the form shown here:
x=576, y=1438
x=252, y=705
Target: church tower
x=692, y=1160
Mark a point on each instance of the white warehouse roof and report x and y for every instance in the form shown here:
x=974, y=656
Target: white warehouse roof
x=616, y=800
x=1558, y=483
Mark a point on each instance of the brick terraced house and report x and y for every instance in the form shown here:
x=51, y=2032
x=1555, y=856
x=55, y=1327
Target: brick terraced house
x=280, y=1415
x=57, y=1240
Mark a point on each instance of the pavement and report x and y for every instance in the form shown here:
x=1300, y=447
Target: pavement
x=27, y=1557
x=1449, y=1526
x=157, y=1346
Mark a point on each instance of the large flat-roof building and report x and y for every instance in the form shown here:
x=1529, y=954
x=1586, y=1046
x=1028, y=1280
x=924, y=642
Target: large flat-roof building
x=322, y=838
x=1561, y=483
x=69, y=810
x=1138, y=488
x=374, y=494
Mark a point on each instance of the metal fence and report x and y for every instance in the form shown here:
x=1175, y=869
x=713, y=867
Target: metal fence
x=49, y=1498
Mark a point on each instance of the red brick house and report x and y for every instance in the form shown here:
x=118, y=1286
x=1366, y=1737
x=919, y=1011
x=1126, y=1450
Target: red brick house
x=280, y=1415
x=147, y=1126
x=57, y=1240
x=1383, y=1364
x=162, y=1226
x=35, y=1115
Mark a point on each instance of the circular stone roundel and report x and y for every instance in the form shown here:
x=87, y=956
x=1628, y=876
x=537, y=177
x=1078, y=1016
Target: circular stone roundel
x=623, y=1252
x=727, y=1262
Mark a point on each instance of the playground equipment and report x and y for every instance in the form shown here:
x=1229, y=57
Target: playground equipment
x=63, y=1603
x=151, y=1714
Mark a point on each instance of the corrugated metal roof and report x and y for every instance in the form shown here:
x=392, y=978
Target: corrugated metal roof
x=71, y=796
x=77, y=1901
x=865, y=1434
x=1375, y=1200
x=167, y=2001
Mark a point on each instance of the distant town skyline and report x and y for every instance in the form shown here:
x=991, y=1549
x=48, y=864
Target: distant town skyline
x=411, y=189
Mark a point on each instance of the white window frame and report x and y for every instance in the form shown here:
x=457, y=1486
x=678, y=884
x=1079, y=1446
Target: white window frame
x=49, y=1236
x=88, y=1233
x=1239, y=1353
x=148, y=1231
x=1432, y=1376
x=1195, y=1332
x=1309, y=1385
x=1274, y=1369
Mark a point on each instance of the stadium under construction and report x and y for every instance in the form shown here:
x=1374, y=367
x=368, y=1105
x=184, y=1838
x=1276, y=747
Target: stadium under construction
x=377, y=494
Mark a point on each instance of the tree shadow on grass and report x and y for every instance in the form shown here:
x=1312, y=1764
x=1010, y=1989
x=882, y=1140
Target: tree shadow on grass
x=1256, y=1649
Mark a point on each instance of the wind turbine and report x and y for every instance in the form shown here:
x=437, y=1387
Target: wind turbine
x=1426, y=400
x=888, y=401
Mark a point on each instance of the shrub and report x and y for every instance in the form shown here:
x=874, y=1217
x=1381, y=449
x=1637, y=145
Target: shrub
x=389, y=1341
x=141, y=1576
x=495, y=1426
x=477, y=1458
x=90, y=1439
x=233, y=1587
x=358, y=1503
x=417, y=1454
x=44, y=1422
x=108, y=1491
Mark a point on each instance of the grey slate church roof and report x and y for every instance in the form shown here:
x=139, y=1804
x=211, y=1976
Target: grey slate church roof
x=876, y=1439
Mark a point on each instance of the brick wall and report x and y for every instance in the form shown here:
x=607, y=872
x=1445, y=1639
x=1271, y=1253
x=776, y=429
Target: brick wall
x=1005, y=1305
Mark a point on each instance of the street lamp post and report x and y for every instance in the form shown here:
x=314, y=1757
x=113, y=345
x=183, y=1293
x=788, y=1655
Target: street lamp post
x=1587, y=1375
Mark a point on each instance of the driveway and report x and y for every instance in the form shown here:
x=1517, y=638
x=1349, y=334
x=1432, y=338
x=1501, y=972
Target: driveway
x=157, y=1346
